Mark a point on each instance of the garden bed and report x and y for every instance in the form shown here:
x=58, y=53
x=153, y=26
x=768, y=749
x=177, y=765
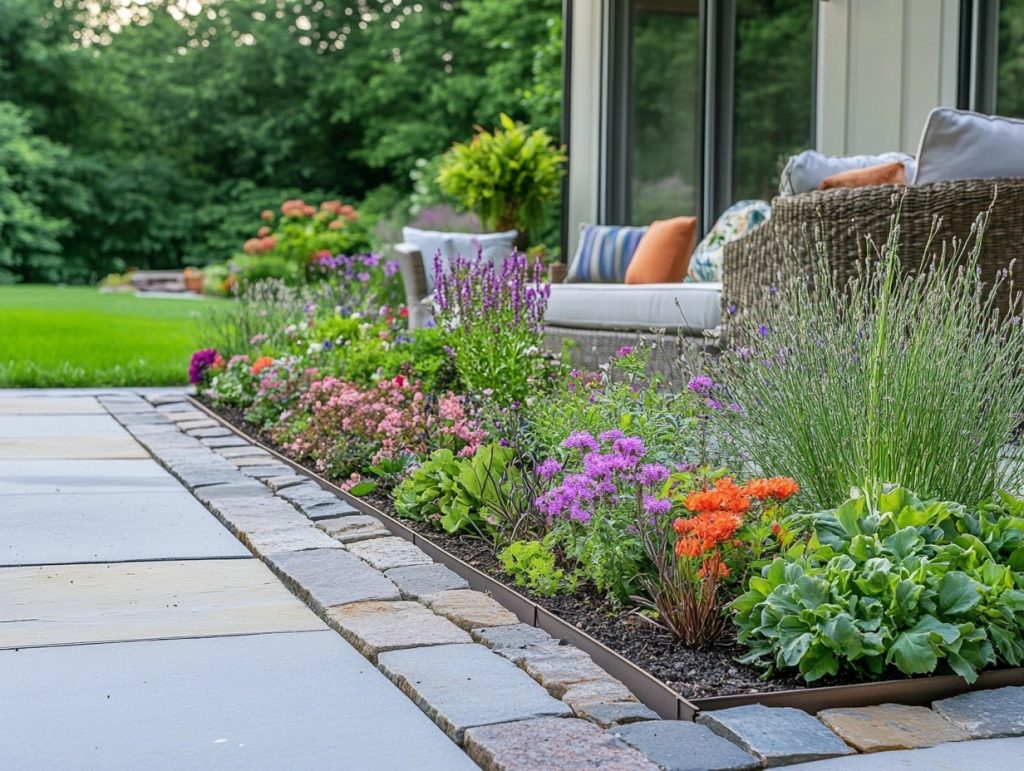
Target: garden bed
x=673, y=679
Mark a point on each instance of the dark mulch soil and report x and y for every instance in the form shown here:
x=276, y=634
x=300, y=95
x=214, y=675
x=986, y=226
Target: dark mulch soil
x=691, y=673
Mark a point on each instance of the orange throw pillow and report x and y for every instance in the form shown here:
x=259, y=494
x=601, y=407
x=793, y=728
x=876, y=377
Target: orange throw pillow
x=883, y=174
x=663, y=254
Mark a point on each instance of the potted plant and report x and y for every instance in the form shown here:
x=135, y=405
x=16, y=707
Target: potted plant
x=193, y=280
x=505, y=177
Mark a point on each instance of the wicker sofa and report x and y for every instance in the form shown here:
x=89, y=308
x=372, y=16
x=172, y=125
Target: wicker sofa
x=835, y=224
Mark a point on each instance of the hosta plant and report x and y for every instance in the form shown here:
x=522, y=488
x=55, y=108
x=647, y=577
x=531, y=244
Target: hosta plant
x=893, y=581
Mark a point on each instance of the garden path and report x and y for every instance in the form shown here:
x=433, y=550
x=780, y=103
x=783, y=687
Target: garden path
x=137, y=632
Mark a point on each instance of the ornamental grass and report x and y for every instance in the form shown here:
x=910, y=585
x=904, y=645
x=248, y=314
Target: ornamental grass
x=909, y=377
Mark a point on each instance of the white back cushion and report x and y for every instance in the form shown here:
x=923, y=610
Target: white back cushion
x=496, y=246
x=805, y=171
x=957, y=144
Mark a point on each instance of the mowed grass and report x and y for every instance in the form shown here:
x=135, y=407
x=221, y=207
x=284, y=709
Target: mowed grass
x=53, y=337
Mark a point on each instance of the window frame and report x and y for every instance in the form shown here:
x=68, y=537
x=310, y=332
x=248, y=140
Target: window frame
x=716, y=105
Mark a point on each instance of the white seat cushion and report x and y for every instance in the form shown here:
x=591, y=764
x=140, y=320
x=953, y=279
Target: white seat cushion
x=957, y=144
x=636, y=306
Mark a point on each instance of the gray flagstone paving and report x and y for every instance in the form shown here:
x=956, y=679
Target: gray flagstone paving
x=90, y=527
x=272, y=701
x=83, y=476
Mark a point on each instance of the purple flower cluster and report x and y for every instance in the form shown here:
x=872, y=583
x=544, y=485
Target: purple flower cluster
x=612, y=470
x=468, y=291
x=201, y=361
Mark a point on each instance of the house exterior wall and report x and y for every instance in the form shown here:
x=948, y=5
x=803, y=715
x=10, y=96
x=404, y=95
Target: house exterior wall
x=882, y=65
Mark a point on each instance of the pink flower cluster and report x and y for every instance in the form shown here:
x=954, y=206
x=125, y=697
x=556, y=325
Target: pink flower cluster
x=260, y=245
x=345, y=427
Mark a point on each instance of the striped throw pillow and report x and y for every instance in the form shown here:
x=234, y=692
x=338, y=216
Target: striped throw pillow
x=603, y=254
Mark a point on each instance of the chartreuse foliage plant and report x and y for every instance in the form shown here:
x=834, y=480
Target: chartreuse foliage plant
x=890, y=580
x=894, y=377
x=505, y=177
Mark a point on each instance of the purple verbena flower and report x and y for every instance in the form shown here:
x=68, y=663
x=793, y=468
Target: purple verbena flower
x=201, y=361
x=549, y=468
x=580, y=440
x=702, y=385
x=653, y=473
x=657, y=506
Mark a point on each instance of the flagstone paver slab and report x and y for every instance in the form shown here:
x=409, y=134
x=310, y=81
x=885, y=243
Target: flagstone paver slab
x=256, y=458
x=65, y=604
x=288, y=538
x=559, y=667
x=245, y=513
x=240, y=452
x=284, y=480
x=215, y=430
x=677, y=745
x=890, y=727
x=225, y=441
x=329, y=510
x=377, y=627
x=986, y=714
x=389, y=552
x=249, y=488
x=308, y=495
x=552, y=744
x=609, y=714
x=185, y=414
x=777, y=735
x=30, y=405
x=507, y=639
x=255, y=702
x=326, y=577
x=52, y=529
x=83, y=476
x=263, y=472
x=71, y=447
x=187, y=425
x=469, y=609
x=596, y=691
x=160, y=400
x=42, y=426
x=995, y=754
x=415, y=581
x=462, y=686
x=358, y=527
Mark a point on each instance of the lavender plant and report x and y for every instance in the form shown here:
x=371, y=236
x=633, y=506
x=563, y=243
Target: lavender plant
x=494, y=317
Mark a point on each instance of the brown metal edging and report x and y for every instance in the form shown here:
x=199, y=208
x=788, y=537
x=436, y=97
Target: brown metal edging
x=650, y=690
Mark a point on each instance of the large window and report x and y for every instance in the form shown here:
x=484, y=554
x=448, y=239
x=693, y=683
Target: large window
x=1010, y=64
x=708, y=98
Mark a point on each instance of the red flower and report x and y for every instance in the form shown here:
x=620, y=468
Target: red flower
x=403, y=312
x=399, y=381
x=263, y=231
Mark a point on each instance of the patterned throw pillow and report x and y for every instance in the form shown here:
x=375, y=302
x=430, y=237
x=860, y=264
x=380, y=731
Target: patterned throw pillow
x=738, y=220
x=603, y=254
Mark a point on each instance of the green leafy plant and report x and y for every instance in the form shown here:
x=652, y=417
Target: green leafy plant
x=891, y=580
x=455, y=494
x=534, y=565
x=506, y=176
x=891, y=377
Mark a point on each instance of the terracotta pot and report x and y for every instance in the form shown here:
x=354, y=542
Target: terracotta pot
x=194, y=280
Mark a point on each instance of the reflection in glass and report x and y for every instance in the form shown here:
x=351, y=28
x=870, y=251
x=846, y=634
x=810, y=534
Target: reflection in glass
x=774, y=81
x=1010, y=82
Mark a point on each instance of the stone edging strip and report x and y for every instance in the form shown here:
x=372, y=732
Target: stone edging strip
x=510, y=694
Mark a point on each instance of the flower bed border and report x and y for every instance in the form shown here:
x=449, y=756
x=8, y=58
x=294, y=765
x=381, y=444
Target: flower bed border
x=650, y=690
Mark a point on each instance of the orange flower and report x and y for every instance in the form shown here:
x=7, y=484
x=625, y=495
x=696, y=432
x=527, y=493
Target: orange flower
x=689, y=547
x=707, y=530
x=778, y=488
x=724, y=496
x=261, y=364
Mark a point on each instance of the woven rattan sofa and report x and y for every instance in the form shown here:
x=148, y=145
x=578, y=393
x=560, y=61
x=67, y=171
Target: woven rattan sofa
x=835, y=224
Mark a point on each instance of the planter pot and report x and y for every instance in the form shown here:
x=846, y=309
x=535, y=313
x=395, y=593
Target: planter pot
x=194, y=281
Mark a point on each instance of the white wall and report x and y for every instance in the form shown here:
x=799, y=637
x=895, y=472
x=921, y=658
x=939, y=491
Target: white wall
x=586, y=118
x=882, y=65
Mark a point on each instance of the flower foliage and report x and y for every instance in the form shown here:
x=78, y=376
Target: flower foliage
x=494, y=315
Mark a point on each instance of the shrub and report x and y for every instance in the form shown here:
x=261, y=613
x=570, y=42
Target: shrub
x=344, y=428
x=505, y=177
x=893, y=377
x=893, y=580
x=494, y=317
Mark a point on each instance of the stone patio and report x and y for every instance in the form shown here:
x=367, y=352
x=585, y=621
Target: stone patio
x=146, y=631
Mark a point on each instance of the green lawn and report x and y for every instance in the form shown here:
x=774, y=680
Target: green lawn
x=74, y=336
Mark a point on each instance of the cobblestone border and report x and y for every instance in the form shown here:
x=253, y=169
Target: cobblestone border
x=510, y=694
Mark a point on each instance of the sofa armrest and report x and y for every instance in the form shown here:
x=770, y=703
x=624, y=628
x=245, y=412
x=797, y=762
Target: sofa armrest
x=414, y=280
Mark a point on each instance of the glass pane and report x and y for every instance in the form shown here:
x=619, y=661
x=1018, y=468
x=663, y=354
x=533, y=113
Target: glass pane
x=1010, y=83
x=664, y=114
x=774, y=80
